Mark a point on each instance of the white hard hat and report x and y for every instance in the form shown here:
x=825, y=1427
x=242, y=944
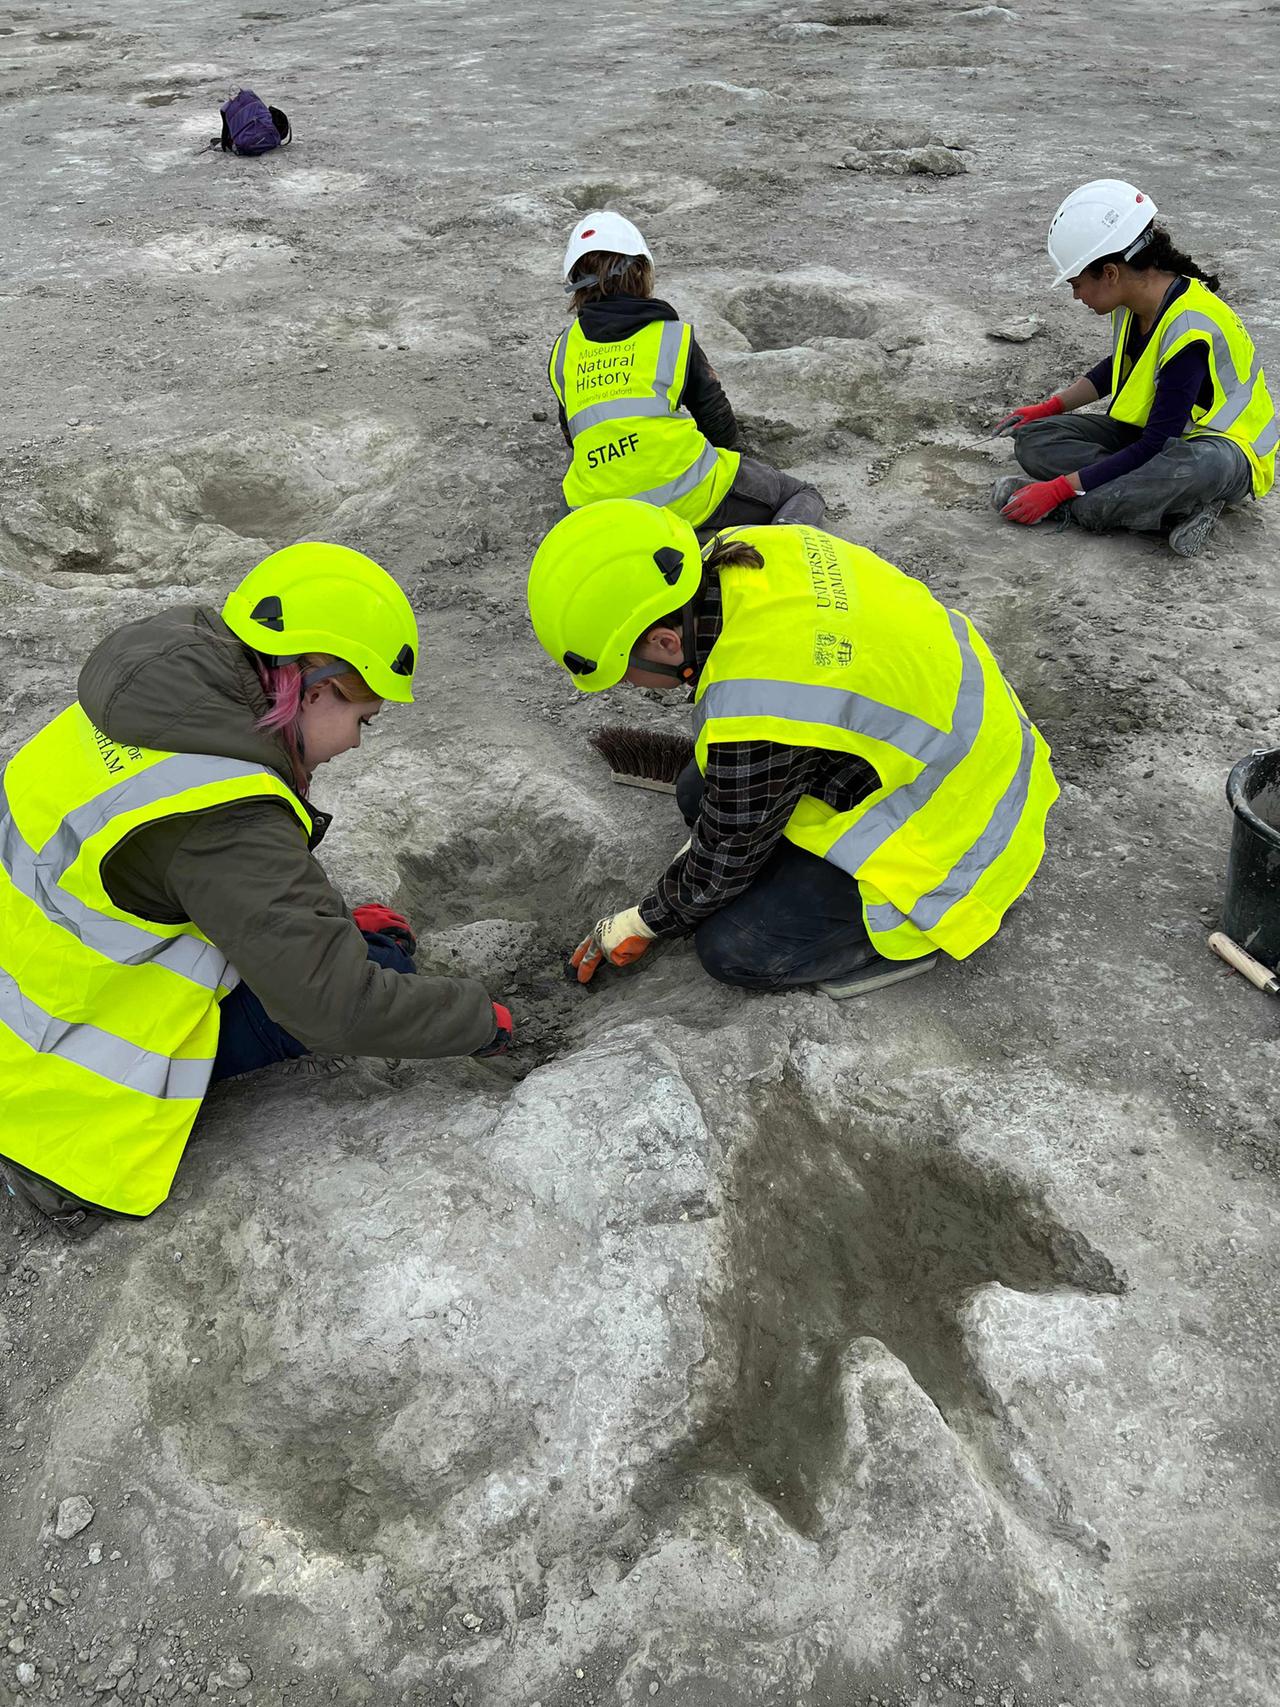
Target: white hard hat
x=1106, y=217
x=607, y=232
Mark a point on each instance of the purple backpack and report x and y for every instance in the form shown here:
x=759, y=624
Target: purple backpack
x=250, y=126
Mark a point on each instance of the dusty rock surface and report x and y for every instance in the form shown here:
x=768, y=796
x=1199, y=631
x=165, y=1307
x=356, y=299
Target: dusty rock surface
x=712, y=1349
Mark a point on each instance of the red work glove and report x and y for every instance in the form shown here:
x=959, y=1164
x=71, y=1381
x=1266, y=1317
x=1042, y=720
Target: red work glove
x=372, y=916
x=502, y=1036
x=1033, y=503
x=1027, y=412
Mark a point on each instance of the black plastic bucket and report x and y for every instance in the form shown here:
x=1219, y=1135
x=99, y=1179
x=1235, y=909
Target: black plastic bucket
x=1251, y=910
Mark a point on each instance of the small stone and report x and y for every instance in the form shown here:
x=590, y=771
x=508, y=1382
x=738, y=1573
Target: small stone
x=26, y=1673
x=1017, y=330
x=74, y=1514
x=579, y=1672
x=322, y=367
x=654, y=1687
x=124, y=1659
x=95, y=1554
x=16, y=1644
x=540, y=415
x=472, y=1621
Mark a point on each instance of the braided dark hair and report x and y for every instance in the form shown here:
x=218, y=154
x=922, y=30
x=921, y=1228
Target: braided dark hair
x=1157, y=254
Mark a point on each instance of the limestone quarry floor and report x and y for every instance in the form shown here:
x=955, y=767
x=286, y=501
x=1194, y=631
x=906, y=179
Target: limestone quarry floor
x=713, y=1349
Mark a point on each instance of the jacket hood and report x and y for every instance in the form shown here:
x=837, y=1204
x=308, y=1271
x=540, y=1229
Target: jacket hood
x=616, y=317
x=181, y=681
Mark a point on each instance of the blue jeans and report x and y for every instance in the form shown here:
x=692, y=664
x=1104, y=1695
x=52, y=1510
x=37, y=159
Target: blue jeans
x=800, y=922
x=248, y=1038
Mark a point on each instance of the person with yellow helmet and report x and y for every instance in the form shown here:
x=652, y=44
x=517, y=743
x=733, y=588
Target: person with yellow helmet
x=867, y=790
x=163, y=920
x=1190, y=426
x=641, y=409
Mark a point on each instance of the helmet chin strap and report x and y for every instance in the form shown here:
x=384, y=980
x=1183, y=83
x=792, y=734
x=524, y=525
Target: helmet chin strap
x=687, y=671
x=592, y=280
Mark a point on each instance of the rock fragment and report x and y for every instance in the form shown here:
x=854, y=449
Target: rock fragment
x=74, y=1514
x=1017, y=330
x=235, y=1674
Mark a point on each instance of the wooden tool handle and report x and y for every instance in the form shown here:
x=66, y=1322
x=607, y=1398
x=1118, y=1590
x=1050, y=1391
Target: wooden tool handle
x=1235, y=956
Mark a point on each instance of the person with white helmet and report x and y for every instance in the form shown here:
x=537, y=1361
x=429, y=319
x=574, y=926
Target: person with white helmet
x=163, y=921
x=640, y=406
x=1190, y=426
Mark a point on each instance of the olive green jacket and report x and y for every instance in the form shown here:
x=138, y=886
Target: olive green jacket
x=181, y=681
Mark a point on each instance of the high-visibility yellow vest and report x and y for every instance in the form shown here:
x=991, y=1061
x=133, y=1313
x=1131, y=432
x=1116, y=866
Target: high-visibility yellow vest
x=630, y=437
x=1241, y=410
x=108, y=1021
x=829, y=646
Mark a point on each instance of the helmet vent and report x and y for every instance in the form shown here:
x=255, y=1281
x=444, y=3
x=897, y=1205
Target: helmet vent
x=403, y=663
x=269, y=612
x=670, y=563
x=579, y=665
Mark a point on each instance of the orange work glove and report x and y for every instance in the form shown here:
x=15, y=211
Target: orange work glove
x=619, y=940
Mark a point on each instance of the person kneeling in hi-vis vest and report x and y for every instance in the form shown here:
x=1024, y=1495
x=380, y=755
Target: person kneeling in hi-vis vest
x=640, y=406
x=867, y=789
x=163, y=922
x=1190, y=427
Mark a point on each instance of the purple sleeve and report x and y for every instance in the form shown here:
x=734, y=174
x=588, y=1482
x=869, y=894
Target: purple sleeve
x=1100, y=377
x=1177, y=389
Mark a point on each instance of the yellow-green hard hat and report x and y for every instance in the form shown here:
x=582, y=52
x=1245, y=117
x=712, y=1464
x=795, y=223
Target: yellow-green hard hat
x=602, y=576
x=328, y=598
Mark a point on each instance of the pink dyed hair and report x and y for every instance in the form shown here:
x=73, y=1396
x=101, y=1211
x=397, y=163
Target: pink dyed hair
x=282, y=684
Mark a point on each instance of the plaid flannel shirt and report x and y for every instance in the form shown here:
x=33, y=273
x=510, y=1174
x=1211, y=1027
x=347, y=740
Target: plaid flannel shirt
x=750, y=790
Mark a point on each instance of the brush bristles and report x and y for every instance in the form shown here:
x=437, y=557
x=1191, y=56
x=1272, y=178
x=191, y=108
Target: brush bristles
x=643, y=752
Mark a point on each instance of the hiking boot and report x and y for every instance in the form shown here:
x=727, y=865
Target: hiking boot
x=70, y=1217
x=1191, y=535
x=877, y=974
x=296, y=1067
x=1005, y=487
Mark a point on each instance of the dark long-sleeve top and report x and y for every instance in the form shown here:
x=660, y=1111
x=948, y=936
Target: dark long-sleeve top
x=1182, y=383
x=750, y=790
x=616, y=317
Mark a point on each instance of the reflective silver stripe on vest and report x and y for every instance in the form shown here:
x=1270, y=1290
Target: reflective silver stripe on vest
x=115, y=939
x=1237, y=394
x=624, y=409
x=964, y=875
x=38, y=874
x=684, y=483
x=100, y=1052
x=629, y=408
x=557, y=359
x=803, y=702
x=949, y=750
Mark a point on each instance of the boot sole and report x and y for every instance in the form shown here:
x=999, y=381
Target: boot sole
x=877, y=978
x=1189, y=538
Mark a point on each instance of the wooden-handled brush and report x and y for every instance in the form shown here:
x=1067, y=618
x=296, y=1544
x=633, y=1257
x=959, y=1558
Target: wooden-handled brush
x=643, y=758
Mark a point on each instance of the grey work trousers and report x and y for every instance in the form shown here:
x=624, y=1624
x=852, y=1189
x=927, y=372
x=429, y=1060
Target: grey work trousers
x=1186, y=476
x=762, y=496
